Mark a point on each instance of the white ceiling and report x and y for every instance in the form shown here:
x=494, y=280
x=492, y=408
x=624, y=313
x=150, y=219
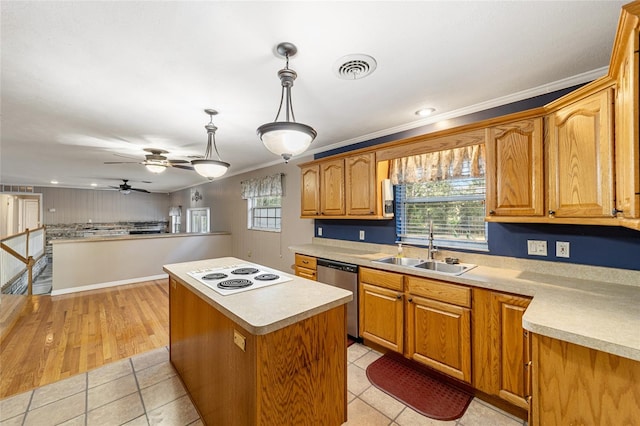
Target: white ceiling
x=84, y=81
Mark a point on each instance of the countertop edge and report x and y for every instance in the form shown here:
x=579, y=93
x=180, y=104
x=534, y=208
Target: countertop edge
x=210, y=296
x=544, y=292
x=135, y=237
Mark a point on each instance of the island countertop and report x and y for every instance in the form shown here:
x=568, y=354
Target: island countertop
x=267, y=309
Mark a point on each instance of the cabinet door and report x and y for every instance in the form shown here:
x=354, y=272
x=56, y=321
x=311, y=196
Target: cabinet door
x=514, y=169
x=382, y=316
x=439, y=335
x=332, y=188
x=580, y=158
x=627, y=140
x=501, y=350
x=361, y=184
x=310, y=190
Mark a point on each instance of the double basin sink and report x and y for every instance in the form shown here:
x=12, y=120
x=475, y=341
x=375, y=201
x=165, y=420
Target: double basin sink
x=431, y=265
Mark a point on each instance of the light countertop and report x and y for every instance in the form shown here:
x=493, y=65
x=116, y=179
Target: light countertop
x=265, y=309
x=94, y=239
x=597, y=314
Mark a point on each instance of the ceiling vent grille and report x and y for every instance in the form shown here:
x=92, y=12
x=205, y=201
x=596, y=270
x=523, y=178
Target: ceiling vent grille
x=354, y=67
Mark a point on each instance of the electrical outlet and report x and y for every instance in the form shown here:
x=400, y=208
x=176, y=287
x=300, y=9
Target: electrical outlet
x=239, y=340
x=319, y=231
x=562, y=249
x=537, y=247
x=361, y=235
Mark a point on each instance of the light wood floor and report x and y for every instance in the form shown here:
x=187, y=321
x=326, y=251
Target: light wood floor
x=56, y=337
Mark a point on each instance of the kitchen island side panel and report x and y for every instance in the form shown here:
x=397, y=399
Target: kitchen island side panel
x=294, y=375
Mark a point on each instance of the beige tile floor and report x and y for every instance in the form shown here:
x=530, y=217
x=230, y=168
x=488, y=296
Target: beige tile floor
x=144, y=390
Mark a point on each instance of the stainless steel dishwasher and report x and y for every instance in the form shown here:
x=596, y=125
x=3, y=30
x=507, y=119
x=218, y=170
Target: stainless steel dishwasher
x=342, y=275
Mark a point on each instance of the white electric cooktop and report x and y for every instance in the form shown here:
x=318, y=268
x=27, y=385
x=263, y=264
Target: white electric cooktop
x=238, y=278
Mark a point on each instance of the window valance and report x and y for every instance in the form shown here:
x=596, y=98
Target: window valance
x=267, y=186
x=468, y=161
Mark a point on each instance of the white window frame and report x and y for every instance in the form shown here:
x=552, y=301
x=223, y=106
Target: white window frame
x=251, y=208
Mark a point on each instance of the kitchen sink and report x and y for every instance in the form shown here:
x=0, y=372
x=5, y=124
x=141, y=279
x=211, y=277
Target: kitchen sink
x=431, y=265
x=402, y=261
x=445, y=268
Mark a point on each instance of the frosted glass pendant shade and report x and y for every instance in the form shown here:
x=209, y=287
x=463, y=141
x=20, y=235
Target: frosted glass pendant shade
x=286, y=138
x=156, y=168
x=210, y=168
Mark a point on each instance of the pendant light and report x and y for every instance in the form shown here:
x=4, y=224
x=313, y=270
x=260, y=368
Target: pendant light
x=286, y=138
x=207, y=167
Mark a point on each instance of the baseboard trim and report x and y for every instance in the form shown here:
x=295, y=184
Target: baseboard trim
x=106, y=285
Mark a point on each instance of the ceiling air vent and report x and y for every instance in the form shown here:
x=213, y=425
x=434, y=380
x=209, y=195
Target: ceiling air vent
x=354, y=67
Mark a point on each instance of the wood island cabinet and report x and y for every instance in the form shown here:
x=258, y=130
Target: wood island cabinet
x=382, y=308
x=580, y=157
x=514, y=178
x=439, y=326
x=502, y=350
x=310, y=190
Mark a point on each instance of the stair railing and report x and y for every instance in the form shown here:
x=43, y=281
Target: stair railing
x=18, y=253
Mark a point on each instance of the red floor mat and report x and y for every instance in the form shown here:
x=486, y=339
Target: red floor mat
x=405, y=381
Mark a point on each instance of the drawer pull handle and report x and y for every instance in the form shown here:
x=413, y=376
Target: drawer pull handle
x=305, y=261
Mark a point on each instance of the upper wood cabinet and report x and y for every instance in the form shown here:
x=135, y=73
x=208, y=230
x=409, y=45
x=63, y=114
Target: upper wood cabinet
x=343, y=188
x=580, y=158
x=332, y=188
x=514, y=175
x=627, y=144
x=361, y=184
x=310, y=190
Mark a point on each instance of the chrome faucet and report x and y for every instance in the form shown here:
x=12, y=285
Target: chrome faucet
x=432, y=250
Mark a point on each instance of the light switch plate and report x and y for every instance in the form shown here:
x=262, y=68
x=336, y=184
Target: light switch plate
x=319, y=231
x=361, y=235
x=537, y=247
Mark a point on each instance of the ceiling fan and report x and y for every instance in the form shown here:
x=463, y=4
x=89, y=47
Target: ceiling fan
x=125, y=188
x=156, y=162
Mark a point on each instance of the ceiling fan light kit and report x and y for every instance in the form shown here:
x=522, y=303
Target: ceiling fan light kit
x=286, y=138
x=208, y=167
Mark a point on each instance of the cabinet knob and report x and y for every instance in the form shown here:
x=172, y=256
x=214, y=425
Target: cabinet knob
x=410, y=299
x=615, y=212
x=399, y=296
x=492, y=212
x=552, y=212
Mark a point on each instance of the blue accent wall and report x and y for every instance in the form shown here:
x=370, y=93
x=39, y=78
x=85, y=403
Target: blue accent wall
x=606, y=246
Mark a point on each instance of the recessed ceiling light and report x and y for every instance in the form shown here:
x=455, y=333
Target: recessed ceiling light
x=55, y=182
x=424, y=112
x=94, y=184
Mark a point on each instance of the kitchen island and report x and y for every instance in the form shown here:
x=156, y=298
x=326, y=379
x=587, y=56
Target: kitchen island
x=271, y=355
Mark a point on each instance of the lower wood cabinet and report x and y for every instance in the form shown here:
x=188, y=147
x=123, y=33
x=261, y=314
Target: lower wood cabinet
x=306, y=267
x=438, y=326
x=502, y=350
x=439, y=335
x=382, y=308
x=575, y=385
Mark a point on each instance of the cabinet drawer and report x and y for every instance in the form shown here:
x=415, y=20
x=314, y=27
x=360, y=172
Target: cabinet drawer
x=307, y=262
x=306, y=273
x=382, y=279
x=438, y=290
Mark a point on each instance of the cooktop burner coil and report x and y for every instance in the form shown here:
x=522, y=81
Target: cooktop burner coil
x=234, y=283
x=244, y=271
x=215, y=276
x=266, y=277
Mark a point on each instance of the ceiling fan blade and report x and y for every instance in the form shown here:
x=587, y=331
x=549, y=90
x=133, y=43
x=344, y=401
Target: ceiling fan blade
x=121, y=162
x=114, y=187
x=178, y=166
x=178, y=161
x=125, y=156
x=140, y=190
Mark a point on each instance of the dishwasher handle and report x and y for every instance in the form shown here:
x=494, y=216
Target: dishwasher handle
x=340, y=266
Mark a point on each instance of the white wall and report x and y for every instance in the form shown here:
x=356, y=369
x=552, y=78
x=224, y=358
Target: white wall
x=229, y=213
x=99, y=206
